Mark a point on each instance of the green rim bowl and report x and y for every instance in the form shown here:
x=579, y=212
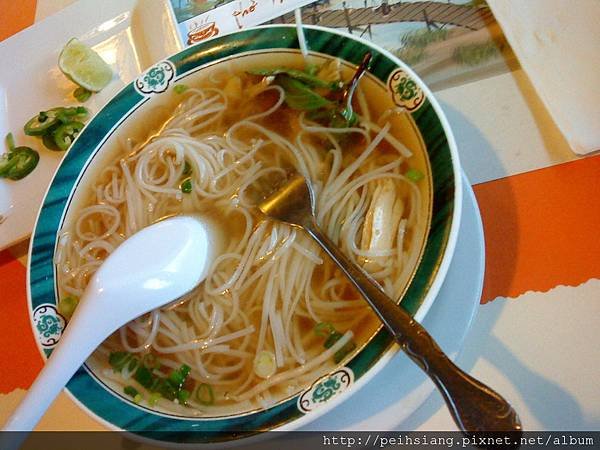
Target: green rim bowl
x=431, y=128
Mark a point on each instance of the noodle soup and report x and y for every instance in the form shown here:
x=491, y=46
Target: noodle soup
x=274, y=314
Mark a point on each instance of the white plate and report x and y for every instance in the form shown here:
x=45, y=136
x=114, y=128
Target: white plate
x=31, y=82
x=391, y=397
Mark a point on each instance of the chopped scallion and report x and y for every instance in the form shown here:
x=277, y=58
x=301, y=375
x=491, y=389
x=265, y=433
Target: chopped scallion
x=324, y=329
x=67, y=305
x=332, y=339
x=186, y=186
x=153, y=399
x=187, y=169
x=131, y=391
x=414, y=175
x=265, y=364
x=345, y=350
x=144, y=376
x=180, y=88
x=204, y=394
x=150, y=361
x=118, y=360
x=183, y=396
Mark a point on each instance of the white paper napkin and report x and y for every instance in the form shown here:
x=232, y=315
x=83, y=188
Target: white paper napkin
x=558, y=45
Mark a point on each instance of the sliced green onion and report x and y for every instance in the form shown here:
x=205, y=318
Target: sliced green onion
x=82, y=94
x=144, y=376
x=137, y=398
x=183, y=396
x=186, y=186
x=67, y=305
x=345, y=350
x=119, y=360
x=311, y=69
x=204, y=394
x=180, y=88
x=177, y=377
x=153, y=399
x=414, y=175
x=131, y=391
x=332, y=339
x=150, y=361
x=264, y=364
x=187, y=169
x=324, y=329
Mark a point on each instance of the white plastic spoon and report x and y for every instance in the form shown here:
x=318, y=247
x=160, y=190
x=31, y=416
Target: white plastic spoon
x=153, y=267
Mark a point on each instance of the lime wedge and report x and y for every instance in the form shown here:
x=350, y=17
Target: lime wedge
x=84, y=66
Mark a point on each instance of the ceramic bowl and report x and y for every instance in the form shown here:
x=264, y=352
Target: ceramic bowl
x=427, y=134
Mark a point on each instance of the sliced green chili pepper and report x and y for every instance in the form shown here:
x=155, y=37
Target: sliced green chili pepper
x=66, y=134
x=45, y=120
x=75, y=113
x=40, y=124
x=48, y=140
x=10, y=142
x=18, y=163
x=81, y=94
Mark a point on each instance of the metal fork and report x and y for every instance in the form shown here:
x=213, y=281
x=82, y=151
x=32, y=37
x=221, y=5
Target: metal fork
x=474, y=407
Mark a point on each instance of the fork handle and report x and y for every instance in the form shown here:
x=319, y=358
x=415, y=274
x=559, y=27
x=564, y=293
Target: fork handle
x=474, y=406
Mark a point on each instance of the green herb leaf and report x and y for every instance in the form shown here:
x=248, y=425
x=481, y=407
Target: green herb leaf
x=309, y=79
x=299, y=96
